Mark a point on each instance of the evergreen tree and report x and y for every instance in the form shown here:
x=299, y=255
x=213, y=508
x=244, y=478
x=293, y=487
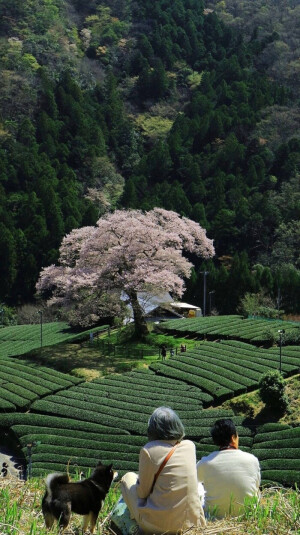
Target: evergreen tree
x=8, y=261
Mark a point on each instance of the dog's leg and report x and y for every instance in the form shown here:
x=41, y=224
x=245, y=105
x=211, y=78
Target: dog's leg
x=64, y=517
x=48, y=516
x=93, y=520
x=49, y=519
x=86, y=522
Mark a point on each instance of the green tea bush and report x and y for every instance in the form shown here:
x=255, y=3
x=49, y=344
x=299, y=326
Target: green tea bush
x=224, y=359
x=231, y=326
x=147, y=402
x=54, y=421
x=285, y=477
x=281, y=454
x=18, y=401
x=70, y=452
x=204, y=376
x=21, y=391
x=28, y=433
x=20, y=381
x=29, y=369
x=84, y=461
x=107, y=406
x=172, y=369
x=36, y=374
x=6, y=405
x=276, y=432
x=272, y=464
x=51, y=408
x=287, y=442
x=271, y=391
x=46, y=441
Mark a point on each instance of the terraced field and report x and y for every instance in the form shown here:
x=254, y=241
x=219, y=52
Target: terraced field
x=22, y=383
x=20, y=339
x=228, y=368
x=74, y=423
x=125, y=401
x=236, y=327
x=78, y=441
x=277, y=447
x=58, y=442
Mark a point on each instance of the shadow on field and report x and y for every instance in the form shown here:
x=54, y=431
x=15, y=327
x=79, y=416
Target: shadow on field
x=82, y=360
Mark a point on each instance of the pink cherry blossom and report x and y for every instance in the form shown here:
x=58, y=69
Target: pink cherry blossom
x=128, y=251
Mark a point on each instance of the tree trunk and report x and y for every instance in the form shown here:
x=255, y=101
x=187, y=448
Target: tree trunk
x=140, y=323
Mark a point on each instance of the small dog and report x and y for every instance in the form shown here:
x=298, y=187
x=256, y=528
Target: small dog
x=83, y=497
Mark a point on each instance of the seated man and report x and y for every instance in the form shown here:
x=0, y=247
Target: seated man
x=229, y=474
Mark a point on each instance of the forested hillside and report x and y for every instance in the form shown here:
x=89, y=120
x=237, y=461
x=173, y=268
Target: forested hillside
x=138, y=104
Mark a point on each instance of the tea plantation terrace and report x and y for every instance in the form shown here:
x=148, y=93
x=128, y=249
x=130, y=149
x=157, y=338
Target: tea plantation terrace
x=73, y=423
x=103, y=420
x=233, y=327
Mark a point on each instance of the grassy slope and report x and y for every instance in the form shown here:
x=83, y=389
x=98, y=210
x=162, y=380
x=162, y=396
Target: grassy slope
x=278, y=512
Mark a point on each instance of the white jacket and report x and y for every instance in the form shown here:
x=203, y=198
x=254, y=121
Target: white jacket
x=228, y=476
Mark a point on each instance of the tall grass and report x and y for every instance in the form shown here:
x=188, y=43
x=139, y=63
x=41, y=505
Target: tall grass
x=277, y=512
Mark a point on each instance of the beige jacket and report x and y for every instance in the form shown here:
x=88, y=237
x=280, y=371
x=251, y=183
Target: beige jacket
x=174, y=503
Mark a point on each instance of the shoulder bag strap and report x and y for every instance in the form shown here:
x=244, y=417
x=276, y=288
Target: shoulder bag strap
x=163, y=464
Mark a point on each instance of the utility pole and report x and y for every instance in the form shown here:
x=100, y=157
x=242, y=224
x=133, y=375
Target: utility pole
x=281, y=333
x=41, y=322
x=205, y=273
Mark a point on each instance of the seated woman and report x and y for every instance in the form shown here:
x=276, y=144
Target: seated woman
x=170, y=503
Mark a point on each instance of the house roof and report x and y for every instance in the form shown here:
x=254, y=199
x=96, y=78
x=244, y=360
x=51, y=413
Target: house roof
x=177, y=304
x=150, y=302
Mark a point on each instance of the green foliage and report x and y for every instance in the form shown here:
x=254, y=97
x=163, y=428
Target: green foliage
x=8, y=315
x=253, y=304
x=292, y=337
x=154, y=127
x=194, y=79
x=233, y=147
x=271, y=391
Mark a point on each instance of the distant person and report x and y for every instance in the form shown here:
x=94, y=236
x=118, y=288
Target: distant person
x=163, y=352
x=163, y=497
x=229, y=474
x=20, y=472
x=172, y=352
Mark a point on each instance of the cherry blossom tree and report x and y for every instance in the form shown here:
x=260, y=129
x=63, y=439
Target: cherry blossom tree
x=127, y=252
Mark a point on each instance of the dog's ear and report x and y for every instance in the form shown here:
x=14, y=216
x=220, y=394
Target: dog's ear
x=109, y=467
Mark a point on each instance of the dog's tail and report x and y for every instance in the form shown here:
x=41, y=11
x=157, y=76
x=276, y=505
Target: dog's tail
x=55, y=480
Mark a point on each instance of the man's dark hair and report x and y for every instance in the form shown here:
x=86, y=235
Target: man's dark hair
x=222, y=432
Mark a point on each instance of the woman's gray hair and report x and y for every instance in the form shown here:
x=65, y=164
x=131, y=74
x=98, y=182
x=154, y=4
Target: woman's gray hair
x=165, y=424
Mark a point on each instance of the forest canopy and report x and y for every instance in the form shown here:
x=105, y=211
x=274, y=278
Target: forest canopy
x=137, y=104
